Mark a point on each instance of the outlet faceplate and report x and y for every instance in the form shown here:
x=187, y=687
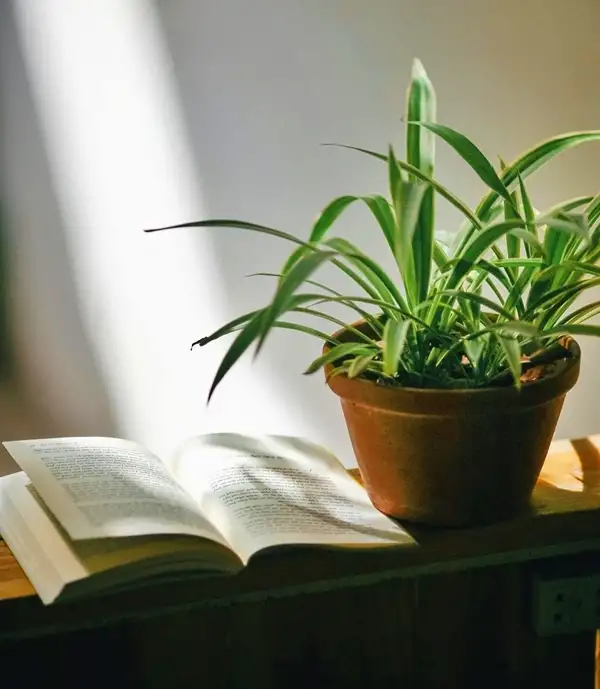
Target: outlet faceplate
x=566, y=605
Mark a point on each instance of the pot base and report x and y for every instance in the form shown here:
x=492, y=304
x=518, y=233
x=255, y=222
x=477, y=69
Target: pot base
x=434, y=520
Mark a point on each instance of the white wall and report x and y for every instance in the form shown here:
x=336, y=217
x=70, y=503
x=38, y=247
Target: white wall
x=260, y=84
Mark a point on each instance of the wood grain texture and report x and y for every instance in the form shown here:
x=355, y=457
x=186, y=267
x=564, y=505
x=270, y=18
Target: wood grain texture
x=13, y=582
x=448, y=631
x=333, y=639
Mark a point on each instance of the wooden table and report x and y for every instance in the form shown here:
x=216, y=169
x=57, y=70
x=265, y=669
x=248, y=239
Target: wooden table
x=455, y=610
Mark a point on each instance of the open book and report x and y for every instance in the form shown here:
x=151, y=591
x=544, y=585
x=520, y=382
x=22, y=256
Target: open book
x=92, y=514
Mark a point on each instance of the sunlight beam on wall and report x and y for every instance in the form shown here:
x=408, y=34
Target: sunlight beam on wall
x=120, y=161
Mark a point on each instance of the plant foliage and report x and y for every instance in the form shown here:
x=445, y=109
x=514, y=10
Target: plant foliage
x=430, y=321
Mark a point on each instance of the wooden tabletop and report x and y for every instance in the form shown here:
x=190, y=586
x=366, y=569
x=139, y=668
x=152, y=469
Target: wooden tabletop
x=564, y=518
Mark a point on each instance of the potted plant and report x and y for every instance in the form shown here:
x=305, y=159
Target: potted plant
x=452, y=370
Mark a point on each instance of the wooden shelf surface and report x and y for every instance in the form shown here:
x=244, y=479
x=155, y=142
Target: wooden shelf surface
x=564, y=519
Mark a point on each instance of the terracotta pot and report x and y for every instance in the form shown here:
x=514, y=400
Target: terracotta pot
x=453, y=457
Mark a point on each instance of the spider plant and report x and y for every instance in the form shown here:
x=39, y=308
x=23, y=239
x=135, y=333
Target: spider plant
x=464, y=316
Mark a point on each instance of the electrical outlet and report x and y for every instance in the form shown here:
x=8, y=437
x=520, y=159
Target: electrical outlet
x=567, y=605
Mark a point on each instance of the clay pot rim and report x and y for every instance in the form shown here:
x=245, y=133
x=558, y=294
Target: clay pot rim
x=369, y=393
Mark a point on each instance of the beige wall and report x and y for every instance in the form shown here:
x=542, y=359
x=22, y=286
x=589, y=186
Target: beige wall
x=260, y=84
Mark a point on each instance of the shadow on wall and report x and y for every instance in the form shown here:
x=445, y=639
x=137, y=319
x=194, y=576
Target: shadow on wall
x=55, y=371
x=6, y=348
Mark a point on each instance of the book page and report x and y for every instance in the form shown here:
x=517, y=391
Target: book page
x=263, y=492
x=52, y=561
x=106, y=487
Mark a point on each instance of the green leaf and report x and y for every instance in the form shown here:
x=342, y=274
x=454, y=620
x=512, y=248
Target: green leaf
x=423, y=246
x=459, y=315
x=557, y=233
x=360, y=364
x=562, y=238
x=512, y=239
x=245, y=338
x=469, y=152
x=420, y=153
x=395, y=176
x=539, y=286
x=335, y=354
x=511, y=211
x=526, y=165
x=325, y=220
x=407, y=207
x=478, y=245
x=439, y=256
x=237, y=224
x=380, y=208
x=515, y=296
x=291, y=281
x=329, y=215
x=394, y=339
x=528, y=210
x=593, y=210
x=372, y=320
x=412, y=170
x=307, y=330
x=363, y=283
x=282, y=235
x=593, y=214
x=483, y=241
x=570, y=267
x=555, y=297
x=539, y=155
x=227, y=328
x=474, y=350
x=517, y=328
x=568, y=286
x=512, y=352
x=518, y=263
x=529, y=238
x=488, y=269
x=370, y=268
x=420, y=144
x=479, y=300
x=583, y=313
x=574, y=247
x=383, y=305
x=338, y=371
x=296, y=301
x=467, y=227
x=566, y=207
x=332, y=319
x=575, y=329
